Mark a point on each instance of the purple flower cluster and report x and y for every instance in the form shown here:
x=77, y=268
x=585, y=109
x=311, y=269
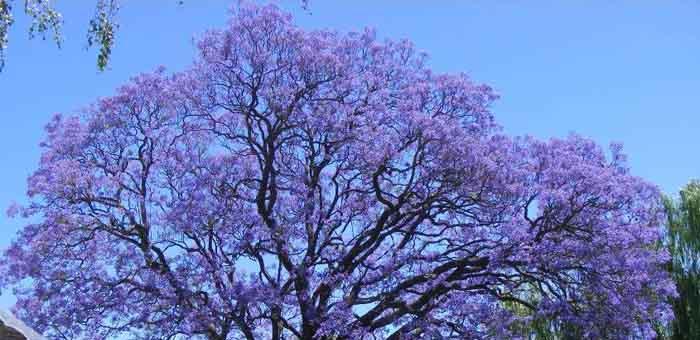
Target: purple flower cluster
x=316, y=184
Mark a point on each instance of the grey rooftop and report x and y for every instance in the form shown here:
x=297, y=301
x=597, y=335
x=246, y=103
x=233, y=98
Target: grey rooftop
x=12, y=328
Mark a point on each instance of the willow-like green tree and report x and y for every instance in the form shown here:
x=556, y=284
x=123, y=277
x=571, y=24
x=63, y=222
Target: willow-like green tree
x=683, y=242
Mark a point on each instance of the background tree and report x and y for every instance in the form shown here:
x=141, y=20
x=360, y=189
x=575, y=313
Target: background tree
x=683, y=242
x=319, y=185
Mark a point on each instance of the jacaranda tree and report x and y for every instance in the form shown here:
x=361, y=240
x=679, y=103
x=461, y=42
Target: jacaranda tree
x=320, y=185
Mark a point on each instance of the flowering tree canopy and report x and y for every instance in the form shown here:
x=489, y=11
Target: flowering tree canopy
x=314, y=184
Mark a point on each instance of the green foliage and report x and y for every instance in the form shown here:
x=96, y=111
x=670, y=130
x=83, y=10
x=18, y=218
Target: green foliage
x=102, y=29
x=6, y=20
x=683, y=242
x=46, y=19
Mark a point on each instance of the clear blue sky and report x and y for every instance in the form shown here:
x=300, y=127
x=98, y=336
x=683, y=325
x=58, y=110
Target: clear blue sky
x=626, y=71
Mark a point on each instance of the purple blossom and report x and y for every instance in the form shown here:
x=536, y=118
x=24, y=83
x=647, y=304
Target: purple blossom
x=316, y=184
